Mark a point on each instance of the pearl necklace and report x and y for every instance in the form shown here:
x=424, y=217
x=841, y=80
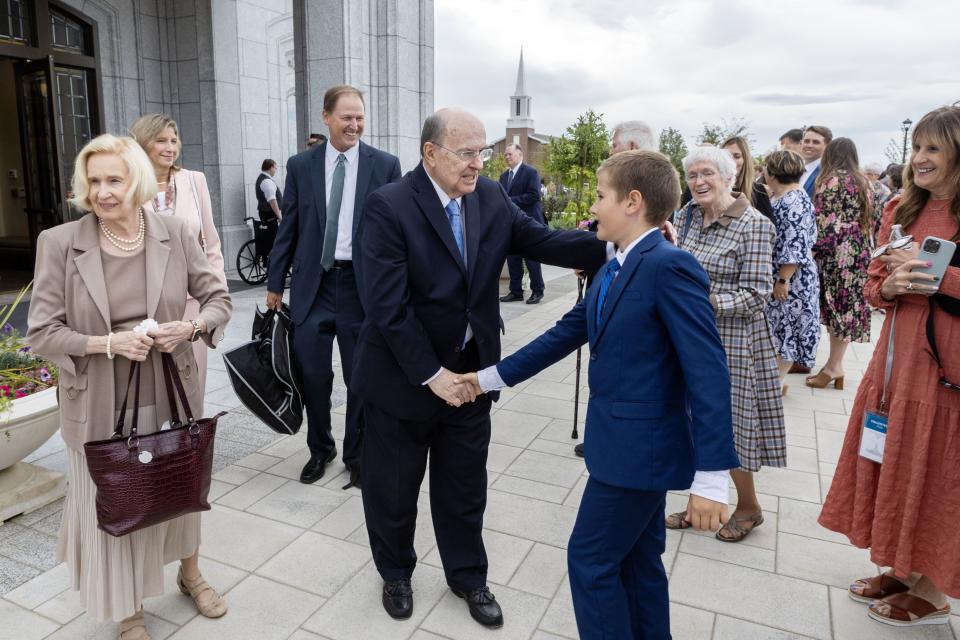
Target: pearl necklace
x=122, y=243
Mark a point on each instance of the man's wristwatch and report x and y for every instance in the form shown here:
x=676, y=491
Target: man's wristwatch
x=781, y=281
x=196, y=331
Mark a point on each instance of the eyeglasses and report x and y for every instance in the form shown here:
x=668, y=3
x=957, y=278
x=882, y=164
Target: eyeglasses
x=705, y=174
x=943, y=382
x=469, y=155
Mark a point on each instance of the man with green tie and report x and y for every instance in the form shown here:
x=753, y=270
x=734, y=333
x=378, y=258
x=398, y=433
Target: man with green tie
x=322, y=210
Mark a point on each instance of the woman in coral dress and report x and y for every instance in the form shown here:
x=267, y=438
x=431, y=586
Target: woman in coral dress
x=906, y=509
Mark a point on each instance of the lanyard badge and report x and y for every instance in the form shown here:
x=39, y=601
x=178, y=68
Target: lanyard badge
x=875, y=423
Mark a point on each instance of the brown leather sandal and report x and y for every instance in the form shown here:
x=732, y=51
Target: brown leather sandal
x=677, y=521
x=134, y=628
x=876, y=588
x=209, y=603
x=906, y=610
x=735, y=532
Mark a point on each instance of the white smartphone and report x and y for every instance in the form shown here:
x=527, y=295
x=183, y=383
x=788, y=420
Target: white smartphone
x=938, y=252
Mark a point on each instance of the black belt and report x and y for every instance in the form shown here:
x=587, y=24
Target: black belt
x=343, y=264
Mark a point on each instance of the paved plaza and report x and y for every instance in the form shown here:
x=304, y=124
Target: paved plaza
x=294, y=563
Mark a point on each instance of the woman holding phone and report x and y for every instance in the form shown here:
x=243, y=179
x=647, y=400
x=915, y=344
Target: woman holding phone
x=904, y=508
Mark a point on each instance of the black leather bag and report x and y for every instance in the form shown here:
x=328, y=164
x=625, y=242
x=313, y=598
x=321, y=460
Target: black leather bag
x=263, y=374
x=143, y=480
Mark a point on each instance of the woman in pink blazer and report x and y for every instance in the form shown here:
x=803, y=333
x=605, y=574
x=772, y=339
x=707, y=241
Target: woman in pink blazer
x=184, y=194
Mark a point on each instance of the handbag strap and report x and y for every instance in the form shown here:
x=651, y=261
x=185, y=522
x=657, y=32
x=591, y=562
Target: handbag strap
x=688, y=219
x=134, y=372
x=932, y=337
x=170, y=373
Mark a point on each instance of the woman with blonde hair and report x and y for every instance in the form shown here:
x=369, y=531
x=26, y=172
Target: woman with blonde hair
x=844, y=203
x=745, y=182
x=182, y=193
x=904, y=508
x=94, y=333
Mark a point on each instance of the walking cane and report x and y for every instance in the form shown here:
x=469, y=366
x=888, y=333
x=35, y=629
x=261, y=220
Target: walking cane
x=576, y=393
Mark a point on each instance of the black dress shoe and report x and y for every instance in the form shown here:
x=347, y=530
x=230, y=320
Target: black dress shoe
x=534, y=298
x=483, y=606
x=512, y=297
x=578, y=449
x=398, y=599
x=313, y=470
x=354, y=477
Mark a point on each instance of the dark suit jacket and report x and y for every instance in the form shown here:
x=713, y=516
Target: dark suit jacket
x=419, y=296
x=659, y=406
x=524, y=191
x=300, y=235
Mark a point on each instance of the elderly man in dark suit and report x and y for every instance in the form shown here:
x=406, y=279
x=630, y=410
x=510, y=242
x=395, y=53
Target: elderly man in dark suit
x=434, y=245
x=322, y=211
x=522, y=184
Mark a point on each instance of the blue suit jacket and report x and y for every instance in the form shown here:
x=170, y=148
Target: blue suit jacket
x=419, y=295
x=659, y=406
x=524, y=191
x=811, y=184
x=300, y=235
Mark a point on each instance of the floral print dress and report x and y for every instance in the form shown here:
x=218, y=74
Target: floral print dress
x=842, y=252
x=794, y=321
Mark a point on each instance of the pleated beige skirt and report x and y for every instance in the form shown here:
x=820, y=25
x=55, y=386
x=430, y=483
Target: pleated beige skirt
x=115, y=574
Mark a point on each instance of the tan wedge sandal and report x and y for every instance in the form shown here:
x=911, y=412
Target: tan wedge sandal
x=734, y=531
x=209, y=603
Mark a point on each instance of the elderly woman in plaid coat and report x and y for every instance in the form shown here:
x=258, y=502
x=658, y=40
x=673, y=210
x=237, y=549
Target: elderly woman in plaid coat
x=734, y=244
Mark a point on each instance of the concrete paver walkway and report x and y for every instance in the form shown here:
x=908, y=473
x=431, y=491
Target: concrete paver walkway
x=294, y=563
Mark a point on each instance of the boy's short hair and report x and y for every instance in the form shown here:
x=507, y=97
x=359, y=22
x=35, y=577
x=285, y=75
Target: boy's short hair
x=650, y=173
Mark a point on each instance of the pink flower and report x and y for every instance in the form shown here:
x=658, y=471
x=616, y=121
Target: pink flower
x=5, y=390
x=21, y=393
x=45, y=375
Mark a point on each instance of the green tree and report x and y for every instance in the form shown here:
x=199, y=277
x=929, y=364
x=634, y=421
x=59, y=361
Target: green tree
x=714, y=133
x=493, y=167
x=574, y=157
x=674, y=147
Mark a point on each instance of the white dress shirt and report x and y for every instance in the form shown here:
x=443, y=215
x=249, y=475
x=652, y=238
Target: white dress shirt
x=444, y=201
x=344, y=250
x=268, y=187
x=713, y=485
x=809, y=168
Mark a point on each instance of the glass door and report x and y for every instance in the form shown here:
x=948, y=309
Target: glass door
x=38, y=112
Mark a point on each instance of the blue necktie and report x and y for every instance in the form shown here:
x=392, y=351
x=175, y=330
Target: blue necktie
x=510, y=179
x=453, y=214
x=606, y=279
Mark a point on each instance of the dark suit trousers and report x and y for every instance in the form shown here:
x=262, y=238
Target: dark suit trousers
x=617, y=578
x=336, y=312
x=394, y=460
x=515, y=267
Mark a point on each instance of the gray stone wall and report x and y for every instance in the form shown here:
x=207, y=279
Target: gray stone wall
x=245, y=80
x=383, y=47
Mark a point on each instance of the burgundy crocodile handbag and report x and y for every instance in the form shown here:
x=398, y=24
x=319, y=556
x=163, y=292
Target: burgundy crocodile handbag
x=143, y=480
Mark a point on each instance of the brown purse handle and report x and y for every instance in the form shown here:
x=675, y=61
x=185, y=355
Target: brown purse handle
x=171, y=379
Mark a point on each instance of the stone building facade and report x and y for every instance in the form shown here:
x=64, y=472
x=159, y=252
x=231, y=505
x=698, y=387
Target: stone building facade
x=243, y=78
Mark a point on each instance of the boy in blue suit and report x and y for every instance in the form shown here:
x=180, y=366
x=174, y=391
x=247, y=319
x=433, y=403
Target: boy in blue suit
x=659, y=411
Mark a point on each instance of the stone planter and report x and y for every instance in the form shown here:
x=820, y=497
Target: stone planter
x=25, y=487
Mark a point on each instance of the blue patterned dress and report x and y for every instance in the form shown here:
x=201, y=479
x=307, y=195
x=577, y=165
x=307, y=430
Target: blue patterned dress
x=795, y=322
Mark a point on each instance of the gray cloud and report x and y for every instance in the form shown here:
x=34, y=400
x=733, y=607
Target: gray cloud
x=802, y=99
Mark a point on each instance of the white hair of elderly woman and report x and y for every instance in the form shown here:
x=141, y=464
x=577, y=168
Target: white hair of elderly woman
x=635, y=131
x=719, y=158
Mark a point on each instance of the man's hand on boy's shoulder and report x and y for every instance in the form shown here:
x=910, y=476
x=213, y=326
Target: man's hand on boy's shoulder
x=706, y=514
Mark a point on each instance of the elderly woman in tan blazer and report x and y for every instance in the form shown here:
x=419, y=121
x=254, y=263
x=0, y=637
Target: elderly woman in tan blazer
x=96, y=279
x=182, y=193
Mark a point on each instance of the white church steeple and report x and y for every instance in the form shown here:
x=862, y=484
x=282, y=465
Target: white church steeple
x=520, y=117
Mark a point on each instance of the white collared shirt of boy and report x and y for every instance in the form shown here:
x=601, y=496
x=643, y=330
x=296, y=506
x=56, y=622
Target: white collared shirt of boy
x=712, y=485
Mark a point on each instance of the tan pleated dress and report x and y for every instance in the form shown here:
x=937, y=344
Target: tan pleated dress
x=115, y=574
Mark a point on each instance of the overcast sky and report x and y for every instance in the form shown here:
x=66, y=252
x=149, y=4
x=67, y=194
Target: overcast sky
x=857, y=66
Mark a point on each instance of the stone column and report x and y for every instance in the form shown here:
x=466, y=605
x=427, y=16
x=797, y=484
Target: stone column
x=384, y=48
